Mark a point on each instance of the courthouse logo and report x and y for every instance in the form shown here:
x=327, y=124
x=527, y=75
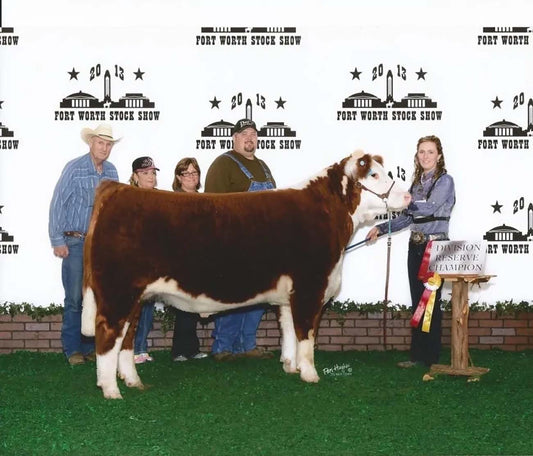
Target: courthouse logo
x=506, y=239
x=271, y=135
x=504, y=36
x=504, y=134
x=248, y=36
x=85, y=106
x=7, y=245
x=7, y=36
x=365, y=106
x=7, y=136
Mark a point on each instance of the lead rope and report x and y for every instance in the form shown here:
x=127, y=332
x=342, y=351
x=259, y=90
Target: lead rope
x=385, y=303
x=384, y=197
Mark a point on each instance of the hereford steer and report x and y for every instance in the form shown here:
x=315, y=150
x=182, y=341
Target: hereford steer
x=207, y=253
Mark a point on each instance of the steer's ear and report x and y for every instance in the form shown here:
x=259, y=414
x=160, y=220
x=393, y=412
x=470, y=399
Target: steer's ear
x=378, y=158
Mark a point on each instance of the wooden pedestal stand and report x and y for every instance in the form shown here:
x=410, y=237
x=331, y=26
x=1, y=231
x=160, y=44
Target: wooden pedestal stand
x=459, y=349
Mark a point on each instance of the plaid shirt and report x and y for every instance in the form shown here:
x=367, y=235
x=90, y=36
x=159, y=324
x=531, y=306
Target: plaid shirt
x=72, y=203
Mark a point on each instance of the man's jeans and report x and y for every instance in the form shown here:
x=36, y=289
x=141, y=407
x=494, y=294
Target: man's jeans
x=72, y=276
x=235, y=332
x=143, y=328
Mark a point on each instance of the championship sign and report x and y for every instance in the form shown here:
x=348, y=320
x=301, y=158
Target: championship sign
x=458, y=257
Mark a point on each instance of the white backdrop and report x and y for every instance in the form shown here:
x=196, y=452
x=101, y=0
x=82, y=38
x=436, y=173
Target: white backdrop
x=471, y=63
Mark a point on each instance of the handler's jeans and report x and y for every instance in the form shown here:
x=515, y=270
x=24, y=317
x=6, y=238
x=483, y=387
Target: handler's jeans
x=235, y=332
x=72, y=276
x=185, y=340
x=143, y=328
x=425, y=347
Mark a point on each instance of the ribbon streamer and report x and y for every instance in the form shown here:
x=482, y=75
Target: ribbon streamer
x=432, y=282
x=432, y=285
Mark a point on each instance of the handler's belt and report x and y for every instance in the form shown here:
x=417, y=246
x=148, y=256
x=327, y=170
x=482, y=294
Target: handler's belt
x=76, y=234
x=418, y=237
x=429, y=218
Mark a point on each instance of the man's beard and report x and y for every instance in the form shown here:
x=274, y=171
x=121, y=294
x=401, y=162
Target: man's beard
x=249, y=147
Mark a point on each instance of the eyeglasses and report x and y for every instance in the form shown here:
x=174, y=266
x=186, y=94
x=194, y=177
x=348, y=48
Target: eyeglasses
x=187, y=174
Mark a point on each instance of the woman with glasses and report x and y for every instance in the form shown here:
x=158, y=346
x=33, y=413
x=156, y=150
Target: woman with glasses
x=185, y=343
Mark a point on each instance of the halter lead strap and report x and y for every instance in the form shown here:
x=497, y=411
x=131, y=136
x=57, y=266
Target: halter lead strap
x=384, y=197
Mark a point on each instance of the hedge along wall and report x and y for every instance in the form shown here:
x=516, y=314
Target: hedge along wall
x=352, y=331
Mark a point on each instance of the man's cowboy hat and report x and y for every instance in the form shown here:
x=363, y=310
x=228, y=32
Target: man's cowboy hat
x=103, y=131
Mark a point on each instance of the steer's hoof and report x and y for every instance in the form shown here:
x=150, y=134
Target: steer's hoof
x=135, y=384
x=112, y=394
x=289, y=367
x=309, y=375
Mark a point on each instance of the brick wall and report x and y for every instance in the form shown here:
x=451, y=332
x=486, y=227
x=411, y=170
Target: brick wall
x=336, y=333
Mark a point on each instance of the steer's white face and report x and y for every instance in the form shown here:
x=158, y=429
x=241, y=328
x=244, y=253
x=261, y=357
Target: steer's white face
x=376, y=180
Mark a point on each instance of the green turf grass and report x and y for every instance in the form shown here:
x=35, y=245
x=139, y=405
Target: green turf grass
x=251, y=407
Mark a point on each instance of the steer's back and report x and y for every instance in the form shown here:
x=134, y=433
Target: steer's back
x=229, y=246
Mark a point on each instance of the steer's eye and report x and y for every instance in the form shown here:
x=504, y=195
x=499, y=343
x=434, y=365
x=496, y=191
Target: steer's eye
x=371, y=173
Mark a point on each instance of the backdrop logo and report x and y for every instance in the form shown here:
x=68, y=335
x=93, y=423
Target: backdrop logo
x=7, y=246
x=365, y=106
x=248, y=36
x=85, y=106
x=271, y=135
x=509, y=135
x=7, y=136
x=506, y=239
x=504, y=36
x=7, y=37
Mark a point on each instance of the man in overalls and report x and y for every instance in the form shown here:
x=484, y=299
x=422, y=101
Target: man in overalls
x=239, y=170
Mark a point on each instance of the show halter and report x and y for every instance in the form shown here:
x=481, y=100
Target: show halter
x=384, y=197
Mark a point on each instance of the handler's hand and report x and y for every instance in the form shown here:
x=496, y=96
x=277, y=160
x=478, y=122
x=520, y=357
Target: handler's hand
x=373, y=234
x=61, y=251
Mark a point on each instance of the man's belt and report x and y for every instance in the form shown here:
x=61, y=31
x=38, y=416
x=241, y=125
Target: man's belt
x=418, y=237
x=76, y=234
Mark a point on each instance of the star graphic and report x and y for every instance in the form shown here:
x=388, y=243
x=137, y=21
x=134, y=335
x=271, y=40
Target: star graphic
x=421, y=74
x=496, y=103
x=138, y=74
x=214, y=103
x=496, y=207
x=73, y=74
x=355, y=73
x=280, y=103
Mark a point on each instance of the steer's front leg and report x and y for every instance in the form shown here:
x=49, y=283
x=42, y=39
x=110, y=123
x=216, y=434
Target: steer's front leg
x=288, y=340
x=126, y=364
x=305, y=359
x=107, y=363
x=106, y=374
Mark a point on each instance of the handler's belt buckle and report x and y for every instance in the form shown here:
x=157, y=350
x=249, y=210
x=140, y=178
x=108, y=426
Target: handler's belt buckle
x=417, y=237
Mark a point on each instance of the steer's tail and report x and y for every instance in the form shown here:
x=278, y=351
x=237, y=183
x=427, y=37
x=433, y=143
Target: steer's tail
x=88, y=314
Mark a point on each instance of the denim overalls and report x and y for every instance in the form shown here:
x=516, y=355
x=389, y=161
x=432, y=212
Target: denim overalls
x=235, y=332
x=254, y=185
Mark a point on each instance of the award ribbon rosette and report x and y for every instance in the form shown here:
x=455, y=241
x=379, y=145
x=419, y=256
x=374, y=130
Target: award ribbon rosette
x=432, y=282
